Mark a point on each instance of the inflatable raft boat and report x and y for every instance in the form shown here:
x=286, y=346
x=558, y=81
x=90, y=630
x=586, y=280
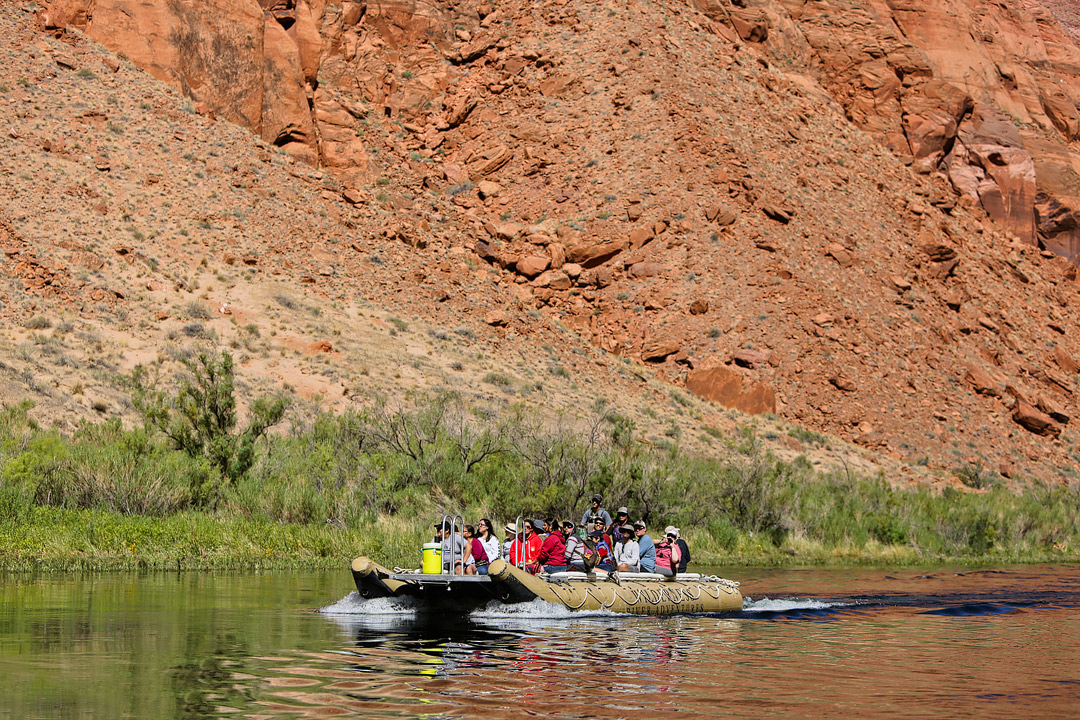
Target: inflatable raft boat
x=638, y=593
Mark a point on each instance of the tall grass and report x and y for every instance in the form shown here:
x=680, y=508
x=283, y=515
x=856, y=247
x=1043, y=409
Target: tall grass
x=374, y=481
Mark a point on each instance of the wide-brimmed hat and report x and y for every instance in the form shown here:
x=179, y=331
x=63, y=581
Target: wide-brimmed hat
x=537, y=525
x=671, y=530
x=511, y=528
x=627, y=528
x=622, y=511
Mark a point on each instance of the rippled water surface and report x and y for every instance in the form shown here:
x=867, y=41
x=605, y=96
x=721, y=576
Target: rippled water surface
x=998, y=643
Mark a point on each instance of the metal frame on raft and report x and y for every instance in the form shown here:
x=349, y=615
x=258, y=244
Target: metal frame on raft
x=450, y=537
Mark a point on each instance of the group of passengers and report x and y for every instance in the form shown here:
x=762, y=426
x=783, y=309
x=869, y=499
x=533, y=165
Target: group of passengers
x=598, y=544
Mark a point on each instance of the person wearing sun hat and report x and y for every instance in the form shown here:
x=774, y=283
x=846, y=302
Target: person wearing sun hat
x=526, y=546
x=667, y=553
x=626, y=552
x=622, y=517
x=684, y=550
x=511, y=535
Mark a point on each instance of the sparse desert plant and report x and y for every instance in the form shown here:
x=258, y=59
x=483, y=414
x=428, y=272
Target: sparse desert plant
x=197, y=310
x=200, y=418
x=498, y=379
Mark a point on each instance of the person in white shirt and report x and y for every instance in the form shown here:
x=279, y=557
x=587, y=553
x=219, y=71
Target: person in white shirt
x=626, y=552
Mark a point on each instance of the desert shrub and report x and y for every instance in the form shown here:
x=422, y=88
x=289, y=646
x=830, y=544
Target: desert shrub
x=199, y=418
x=197, y=310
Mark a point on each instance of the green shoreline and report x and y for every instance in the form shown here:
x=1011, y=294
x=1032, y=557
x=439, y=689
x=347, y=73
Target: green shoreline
x=373, y=482
x=59, y=541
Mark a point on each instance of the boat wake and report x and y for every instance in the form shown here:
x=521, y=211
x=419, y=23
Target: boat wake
x=768, y=608
x=353, y=604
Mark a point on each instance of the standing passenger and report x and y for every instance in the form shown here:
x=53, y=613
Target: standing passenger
x=595, y=509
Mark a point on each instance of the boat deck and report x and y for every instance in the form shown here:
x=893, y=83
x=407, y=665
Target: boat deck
x=440, y=579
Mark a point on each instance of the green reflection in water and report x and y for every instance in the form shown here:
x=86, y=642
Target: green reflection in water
x=155, y=645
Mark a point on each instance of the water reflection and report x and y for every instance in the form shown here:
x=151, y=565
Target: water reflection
x=838, y=643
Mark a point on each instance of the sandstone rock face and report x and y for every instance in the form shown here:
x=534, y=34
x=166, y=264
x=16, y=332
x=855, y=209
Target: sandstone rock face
x=212, y=51
x=732, y=389
x=985, y=91
x=254, y=68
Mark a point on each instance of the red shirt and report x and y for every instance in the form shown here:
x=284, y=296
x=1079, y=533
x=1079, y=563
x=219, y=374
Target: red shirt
x=553, y=551
x=532, y=549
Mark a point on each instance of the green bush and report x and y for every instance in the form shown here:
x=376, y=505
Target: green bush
x=199, y=418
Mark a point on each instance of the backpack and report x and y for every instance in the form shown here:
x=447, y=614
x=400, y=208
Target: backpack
x=589, y=554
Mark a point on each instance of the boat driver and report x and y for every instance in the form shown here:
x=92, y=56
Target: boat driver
x=594, y=509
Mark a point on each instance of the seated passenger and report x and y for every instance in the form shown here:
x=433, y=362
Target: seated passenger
x=575, y=548
x=622, y=517
x=602, y=542
x=626, y=555
x=526, y=549
x=552, y=557
x=489, y=546
x=511, y=536
x=646, y=547
x=684, y=550
x=667, y=553
x=454, y=547
x=468, y=534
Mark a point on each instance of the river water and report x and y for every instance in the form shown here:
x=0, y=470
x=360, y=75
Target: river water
x=942, y=643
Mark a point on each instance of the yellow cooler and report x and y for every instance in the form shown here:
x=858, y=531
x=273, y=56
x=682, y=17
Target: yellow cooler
x=432, y=559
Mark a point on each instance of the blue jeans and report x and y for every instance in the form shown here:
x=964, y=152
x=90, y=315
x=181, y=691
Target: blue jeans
x=554, y=568
x=482, y=569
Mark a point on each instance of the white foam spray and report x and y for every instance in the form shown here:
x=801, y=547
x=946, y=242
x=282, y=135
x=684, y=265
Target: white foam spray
x=353, y=604
x=787, y=604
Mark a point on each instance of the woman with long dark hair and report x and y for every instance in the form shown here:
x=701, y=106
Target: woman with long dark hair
x=485, y=546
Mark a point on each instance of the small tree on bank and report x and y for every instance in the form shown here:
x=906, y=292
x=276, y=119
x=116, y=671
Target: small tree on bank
x=200, y=419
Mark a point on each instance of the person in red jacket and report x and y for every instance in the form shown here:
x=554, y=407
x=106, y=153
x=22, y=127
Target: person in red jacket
x=552, y=556
x=527, y=546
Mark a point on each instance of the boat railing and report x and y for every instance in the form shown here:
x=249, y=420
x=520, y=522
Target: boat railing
x=450, y=539
x=519, y=538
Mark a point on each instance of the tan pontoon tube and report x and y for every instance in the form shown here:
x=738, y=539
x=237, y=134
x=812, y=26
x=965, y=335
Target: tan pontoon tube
x=638, y=593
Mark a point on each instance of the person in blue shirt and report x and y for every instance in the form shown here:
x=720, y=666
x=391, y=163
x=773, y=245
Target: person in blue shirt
x=646, y=547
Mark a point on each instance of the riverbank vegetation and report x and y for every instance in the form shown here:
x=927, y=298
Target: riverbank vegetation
x=189, y=489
